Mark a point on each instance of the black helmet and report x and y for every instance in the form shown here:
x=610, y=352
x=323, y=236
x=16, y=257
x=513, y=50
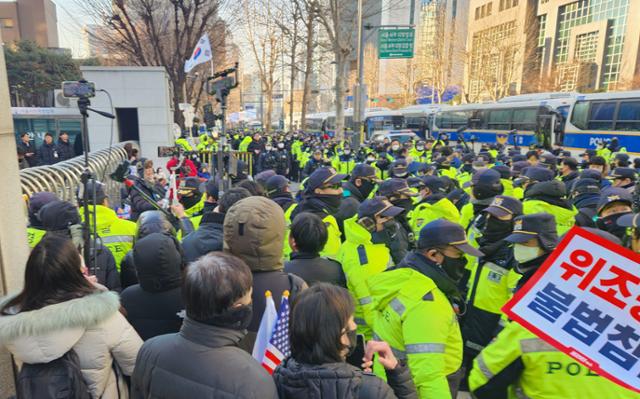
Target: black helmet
x=154, y=222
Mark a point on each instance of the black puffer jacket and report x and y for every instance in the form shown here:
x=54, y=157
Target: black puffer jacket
x=138, y=203
x=155, y=304
x=206, y=239
x=340, y=381
x=149, y=222
x=200, y=361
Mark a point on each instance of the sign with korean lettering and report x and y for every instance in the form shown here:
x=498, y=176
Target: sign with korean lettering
x=395, y=43
x=585, y=301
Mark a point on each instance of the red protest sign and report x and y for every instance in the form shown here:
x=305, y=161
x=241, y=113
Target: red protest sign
x=585, y=301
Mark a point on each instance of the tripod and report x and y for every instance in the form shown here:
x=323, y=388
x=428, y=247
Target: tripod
x=90, y=245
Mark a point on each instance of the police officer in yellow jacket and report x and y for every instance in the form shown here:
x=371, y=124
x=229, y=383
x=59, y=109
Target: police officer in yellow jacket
x=491, y=283
x=36, y=231
x=323, y=196
x=416, y=307
x=365, y=253
x=517, y=364
x=433, y=205
x=115, y=233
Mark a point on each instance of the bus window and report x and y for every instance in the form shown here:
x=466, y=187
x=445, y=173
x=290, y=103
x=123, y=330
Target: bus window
x=415, y=122
x=580, y=115
x=499, y=119
x=478, y=120
x=628, y=116
x=601, y=116
x=525, y=119
x=452, y=120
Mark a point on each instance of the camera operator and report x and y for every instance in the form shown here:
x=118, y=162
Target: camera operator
x=147, y=183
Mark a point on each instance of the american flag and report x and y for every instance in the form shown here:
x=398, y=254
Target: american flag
x=278, y=348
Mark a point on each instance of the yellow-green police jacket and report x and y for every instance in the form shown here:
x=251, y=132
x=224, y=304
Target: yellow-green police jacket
x=361, y=259
x=184, y=144
x=420, y=156
x=524, y=366
x=115, y=234
x=420, y=325
x=34, y=236
x=424, y=213
x=334, y=240
x=565, y=218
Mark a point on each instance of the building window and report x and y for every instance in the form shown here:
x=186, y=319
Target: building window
x=477, y=13
x=514, y=3
x=489, y=5
x=501, y=6
x=586, y=46
x=586, y=11
x=6, y=23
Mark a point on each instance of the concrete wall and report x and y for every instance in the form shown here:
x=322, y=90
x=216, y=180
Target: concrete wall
x=144, y=88
x=13, y=226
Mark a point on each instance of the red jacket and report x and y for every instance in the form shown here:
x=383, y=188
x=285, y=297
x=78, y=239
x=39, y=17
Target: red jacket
x=187, y=162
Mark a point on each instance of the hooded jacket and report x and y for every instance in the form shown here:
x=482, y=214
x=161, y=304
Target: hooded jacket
x=201, y=361
x=154, y=305
x=340, y=380
x=548, y=197
x=254, y=232
x=207, y=238
x=92, y=326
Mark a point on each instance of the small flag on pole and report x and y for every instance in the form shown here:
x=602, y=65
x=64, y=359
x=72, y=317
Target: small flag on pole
x=202, y=53
x=267, y=324
x=279, y=348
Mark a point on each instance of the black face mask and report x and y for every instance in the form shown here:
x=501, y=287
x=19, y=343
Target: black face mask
x=383, y=164
x=467, y=167
x=332, y=201
x=496, y=229
x=189, y=202
x=366, y=188
x=454, y=267
x=237, y=318
x=353, y=341
x=405, y=203
x=387, y=234
x=609, y=224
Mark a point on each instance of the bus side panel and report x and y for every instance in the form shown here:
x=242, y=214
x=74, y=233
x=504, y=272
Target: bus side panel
x=591, y=139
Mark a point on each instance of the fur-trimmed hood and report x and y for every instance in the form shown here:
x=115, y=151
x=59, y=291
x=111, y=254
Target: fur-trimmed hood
x=42, y=335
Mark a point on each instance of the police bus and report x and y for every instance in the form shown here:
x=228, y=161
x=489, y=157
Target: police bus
x=597, y=118
x=520, y=123
x=419, y=118
x=39, y=121
x=315, y=123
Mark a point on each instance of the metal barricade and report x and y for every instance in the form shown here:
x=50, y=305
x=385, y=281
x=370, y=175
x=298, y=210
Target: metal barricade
x=209, y=158
x=63, y=178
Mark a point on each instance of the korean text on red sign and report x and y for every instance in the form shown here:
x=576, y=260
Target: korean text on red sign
x=585, y=301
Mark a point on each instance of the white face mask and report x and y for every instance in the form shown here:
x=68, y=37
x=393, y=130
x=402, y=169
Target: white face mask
x=280, y=145
x=347, y=152
x=268, y=148
x=395, y=147
x=524, y=254
x=371, y=159
x=420, y=148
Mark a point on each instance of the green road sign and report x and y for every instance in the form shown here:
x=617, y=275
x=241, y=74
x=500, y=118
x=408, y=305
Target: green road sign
x=395, y=43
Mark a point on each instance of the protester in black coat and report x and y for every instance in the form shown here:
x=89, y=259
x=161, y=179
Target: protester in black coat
x=48, y=153
x=208, y=237
x=317, y=367
x=64, y=148
x=149, y=222
x=28, y=148
x=154, y=306
x=308, y=237
x=203, y=360
x=138, y=203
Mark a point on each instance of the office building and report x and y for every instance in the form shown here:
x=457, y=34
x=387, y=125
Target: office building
x=34, y=20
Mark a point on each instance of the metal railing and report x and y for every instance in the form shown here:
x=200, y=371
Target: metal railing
x=63, y=178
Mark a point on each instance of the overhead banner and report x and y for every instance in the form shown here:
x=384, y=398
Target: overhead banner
x=585, y=301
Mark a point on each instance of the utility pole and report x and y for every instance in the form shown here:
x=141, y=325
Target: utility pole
x=358, y=108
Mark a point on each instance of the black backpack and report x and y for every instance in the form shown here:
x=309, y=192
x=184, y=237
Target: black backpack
x=59, y=379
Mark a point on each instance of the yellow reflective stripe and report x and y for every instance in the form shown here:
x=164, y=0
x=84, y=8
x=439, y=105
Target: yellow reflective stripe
x=397, y=306
x=399, y=354
x=365, y=300
x=520, y=393
x=413, y=349
x=483, y=367
x=115, y=239
x=474, y=346
x=534, y=345
x=495, y=268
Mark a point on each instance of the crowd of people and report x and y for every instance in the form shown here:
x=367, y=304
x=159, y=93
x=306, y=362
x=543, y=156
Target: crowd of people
x=413, y=246
x=49, y=153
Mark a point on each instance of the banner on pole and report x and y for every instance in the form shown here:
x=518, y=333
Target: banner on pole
x=202, y=53
x=585, y=301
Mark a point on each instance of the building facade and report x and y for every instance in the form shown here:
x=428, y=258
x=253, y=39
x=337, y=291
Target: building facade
x=589, y=44
x=34, y=20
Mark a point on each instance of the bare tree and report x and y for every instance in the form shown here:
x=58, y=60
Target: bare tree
x=264, y=39
x=160, y=33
